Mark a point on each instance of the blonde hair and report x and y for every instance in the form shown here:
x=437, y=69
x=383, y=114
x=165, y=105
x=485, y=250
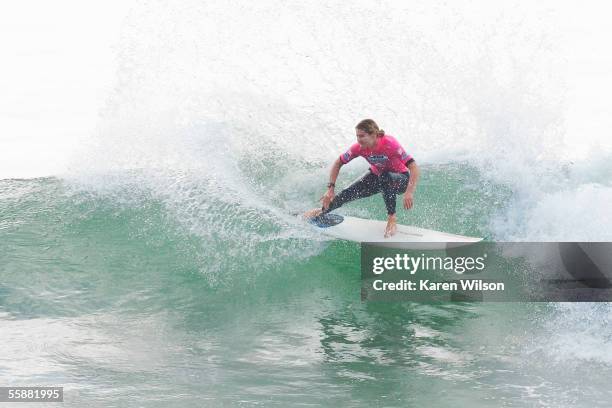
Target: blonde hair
x=369, y=126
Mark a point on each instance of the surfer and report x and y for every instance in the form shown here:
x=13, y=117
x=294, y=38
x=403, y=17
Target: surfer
x=392, y=171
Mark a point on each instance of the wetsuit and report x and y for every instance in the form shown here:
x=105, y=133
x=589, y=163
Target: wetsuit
x=387, y=174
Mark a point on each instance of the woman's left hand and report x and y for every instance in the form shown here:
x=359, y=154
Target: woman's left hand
x=408, y=200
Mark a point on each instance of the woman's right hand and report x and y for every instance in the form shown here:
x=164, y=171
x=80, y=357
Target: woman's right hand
x=327, y=198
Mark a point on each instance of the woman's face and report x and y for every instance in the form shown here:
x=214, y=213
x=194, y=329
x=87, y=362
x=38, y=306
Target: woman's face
x=365, y=139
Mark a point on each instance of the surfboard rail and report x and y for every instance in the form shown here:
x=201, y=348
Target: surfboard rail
x=372, y=231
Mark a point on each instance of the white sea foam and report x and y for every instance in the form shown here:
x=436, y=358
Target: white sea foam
x=205, y=90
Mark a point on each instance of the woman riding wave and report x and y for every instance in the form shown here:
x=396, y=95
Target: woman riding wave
x=392, y=171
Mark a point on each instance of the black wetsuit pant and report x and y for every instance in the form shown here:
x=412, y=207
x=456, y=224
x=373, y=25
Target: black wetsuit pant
x=390, y=184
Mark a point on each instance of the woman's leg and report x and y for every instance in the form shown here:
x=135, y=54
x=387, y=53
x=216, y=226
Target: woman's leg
x=391, y=185
x=365, y=186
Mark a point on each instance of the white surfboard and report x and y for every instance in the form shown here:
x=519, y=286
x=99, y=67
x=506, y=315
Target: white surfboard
x=372, y=231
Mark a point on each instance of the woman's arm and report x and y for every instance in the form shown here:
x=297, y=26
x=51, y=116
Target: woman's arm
x=414, y=178
x=333, y=176
x=335, y=170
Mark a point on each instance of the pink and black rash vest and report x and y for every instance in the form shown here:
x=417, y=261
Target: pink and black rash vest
x=387, y=155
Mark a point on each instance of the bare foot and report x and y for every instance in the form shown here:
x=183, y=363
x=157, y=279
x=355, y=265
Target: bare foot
x=315, y=212
x=391, y=226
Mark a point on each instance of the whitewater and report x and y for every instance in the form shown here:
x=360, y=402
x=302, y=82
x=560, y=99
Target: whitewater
x=152, y=153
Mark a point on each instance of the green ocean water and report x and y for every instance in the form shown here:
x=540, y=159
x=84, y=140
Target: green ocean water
x=161, y=265
x=143, y=291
